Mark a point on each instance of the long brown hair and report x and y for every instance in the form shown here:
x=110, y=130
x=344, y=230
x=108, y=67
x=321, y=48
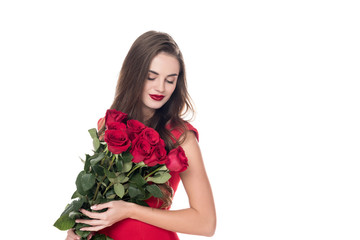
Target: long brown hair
x=134, y=73
x=131, y=80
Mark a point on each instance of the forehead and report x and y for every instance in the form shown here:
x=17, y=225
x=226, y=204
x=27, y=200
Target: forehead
x=165, y=64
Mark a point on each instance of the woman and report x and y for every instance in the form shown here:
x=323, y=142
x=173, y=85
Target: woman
x=152, y=89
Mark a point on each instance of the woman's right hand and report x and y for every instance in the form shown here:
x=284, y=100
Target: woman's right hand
x=72, y=236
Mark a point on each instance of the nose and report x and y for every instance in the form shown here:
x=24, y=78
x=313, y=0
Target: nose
x=160, y=85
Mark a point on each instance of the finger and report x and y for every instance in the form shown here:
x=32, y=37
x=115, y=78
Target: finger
x=90, y=236
x=72, y=236
x=101, y=206
x=93, y=229
x=93, y=215
x=91, y=222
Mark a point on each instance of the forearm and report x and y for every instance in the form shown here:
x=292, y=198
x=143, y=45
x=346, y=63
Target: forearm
x=188, y=220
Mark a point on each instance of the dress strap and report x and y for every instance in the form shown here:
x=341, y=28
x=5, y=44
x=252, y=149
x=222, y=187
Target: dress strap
x=178, y=132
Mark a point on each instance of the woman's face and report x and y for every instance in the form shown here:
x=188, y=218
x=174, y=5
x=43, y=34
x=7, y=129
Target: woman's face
x=160, y=83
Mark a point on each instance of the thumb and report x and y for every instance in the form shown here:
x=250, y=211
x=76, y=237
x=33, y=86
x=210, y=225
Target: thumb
x=90, y=235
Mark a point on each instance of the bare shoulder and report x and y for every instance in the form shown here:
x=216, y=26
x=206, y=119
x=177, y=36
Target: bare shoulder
x=191, y=138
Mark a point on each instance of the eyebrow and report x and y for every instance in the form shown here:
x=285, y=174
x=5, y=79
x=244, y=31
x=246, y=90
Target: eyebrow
x=170, y=75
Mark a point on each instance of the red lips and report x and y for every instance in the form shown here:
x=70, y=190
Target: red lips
x=157, y=97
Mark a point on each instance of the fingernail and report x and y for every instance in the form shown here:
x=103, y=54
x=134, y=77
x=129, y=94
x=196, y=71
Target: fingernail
x=93, y=207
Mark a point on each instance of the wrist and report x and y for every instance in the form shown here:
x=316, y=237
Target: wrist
x=132, y=210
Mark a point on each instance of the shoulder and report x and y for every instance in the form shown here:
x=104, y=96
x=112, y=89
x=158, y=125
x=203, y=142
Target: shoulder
x=178, y=131
x=192, y=129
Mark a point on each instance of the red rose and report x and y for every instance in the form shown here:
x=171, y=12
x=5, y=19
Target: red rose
x=158, y=156
x=177, y=160
x=141, y=149
x=116, y=126
x=117, y=141
x=113, y=115
x=151, y=136
x=134, y=128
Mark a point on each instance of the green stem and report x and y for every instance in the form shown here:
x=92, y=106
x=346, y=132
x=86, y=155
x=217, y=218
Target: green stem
x=110, y=185
x=102, y=180
x=97, y=188
x=152, y=173
x=112, y=162
x=106, y=153
x=132, y=170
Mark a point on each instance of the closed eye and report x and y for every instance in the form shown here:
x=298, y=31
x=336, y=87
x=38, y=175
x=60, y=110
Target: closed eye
x=171, y=79
x=152, y=75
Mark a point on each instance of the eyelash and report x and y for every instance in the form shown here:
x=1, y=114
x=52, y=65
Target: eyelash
x=171, y=82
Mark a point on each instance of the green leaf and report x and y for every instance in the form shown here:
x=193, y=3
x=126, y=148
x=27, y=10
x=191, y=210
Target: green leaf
x=75, y=205
x=101, y=237
x=93, y=133
x=141, y=164
x=119, y=179
x=99, y=170
x=154, y=190
x=82, y=234
x=76, y=194
x=87, y=163
x=84, y=182
x=87, y=181
x=160, y=178
x=127, y=156
x=134, y=191
x=123, y=180
x=75, y=214
x=119, y=164
x=163, y=168
x=127, y=167
x=78, y=226
x=96, y=144
x=78, y=183
x=110, y=194
x=99, y=199
x=119, y=189
x=64, y=222
x=137, y=179
x=97, y=158
x=109, y=174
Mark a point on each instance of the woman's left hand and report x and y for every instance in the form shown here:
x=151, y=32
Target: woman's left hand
x=116, y=211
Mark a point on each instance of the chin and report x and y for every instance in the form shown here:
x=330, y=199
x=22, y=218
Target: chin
x=154, y=106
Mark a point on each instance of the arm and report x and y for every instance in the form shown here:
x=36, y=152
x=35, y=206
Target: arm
x=199, y=218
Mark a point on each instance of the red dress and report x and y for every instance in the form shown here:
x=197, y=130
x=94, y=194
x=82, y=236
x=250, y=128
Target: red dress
x=130, y=229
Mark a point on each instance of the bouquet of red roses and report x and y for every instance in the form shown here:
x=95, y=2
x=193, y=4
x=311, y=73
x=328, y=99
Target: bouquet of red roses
x=128, y=163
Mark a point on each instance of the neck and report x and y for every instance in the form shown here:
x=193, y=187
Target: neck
x=147, y=114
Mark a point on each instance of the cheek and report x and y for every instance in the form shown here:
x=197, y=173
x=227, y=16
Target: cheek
x=172, y=89
x=146, y=89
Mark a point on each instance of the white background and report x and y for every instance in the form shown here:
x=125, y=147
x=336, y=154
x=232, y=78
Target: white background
x=276, y=88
